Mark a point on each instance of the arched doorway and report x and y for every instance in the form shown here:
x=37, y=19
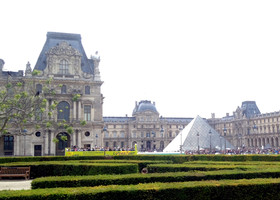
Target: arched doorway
x=62, y=143
x=63, y=111
x=161, y=145
x=148, y=146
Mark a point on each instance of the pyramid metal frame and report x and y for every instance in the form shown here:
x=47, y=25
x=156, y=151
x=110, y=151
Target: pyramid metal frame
x=198, y=135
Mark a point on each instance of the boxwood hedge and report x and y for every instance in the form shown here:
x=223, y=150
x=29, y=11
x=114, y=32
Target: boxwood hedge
x=196, y=190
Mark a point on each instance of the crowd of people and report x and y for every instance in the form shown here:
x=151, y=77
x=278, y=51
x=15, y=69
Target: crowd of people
x=76, y=148
x=239, y=151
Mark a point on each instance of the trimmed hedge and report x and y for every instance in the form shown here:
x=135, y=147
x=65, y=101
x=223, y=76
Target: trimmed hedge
x=172, y=158
x=49, y=158
x=163, y=168
x=127, y=179
x=141, y=163
x=224, y=189
x=62, y=168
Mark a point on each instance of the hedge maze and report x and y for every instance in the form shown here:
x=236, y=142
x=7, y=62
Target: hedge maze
x=168, y=177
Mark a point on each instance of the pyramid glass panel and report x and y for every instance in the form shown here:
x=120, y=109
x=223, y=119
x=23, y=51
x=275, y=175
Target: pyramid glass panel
x=198, y=135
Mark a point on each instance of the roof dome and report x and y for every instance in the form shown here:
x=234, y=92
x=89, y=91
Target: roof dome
x=144, y=106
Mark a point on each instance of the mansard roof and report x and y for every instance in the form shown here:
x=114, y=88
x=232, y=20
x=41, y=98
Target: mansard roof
x=250, y=109
x=176, y=119
x=74, y=40
x=117, y=119
x=144, y=106
x=12, y=74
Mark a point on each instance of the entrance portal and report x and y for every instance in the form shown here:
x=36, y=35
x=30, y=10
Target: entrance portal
x=37, y=150
x=63, y=142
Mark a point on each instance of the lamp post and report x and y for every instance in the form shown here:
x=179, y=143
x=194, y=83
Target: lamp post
x=24, y=134
x=210, y=133
x=220, y=143
x=161, y=133
x=181, y=132
x=225, y=132
x=197, y=134
x=240, y=140
x=154, y=135
x=96, y=137
x=104, y=131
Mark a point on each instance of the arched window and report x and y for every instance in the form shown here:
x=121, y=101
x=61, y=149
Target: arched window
x=87, y=89
x=63, y=111
x=63, y=142
x=63, y=67
x=63, y=89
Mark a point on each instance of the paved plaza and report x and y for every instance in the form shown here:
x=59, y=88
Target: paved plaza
x=15, y=184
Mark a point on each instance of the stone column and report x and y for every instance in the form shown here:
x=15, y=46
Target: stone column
x=52, y=144
x=79, y=110
x=74, y=110
x=16, y=145
x=47, y=110
x=79, y=139
x=46, y=143
x=74, y=138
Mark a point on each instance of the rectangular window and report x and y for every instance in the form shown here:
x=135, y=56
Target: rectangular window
x=8, y=143
x=114, y=134
x=87, y=112
x=63, y=67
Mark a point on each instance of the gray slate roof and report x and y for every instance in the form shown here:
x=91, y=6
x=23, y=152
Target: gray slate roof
x=53, y=39
x=250, y=109
x=12, y=74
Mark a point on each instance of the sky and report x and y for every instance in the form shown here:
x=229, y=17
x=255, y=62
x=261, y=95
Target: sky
x=189, y=57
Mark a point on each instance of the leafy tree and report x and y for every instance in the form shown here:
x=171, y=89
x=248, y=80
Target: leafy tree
x=21, y=104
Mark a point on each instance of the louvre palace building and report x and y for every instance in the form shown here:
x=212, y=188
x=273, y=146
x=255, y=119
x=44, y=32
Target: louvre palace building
x=63, y=59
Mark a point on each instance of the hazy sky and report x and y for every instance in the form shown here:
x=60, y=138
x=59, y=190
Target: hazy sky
x=190, y=57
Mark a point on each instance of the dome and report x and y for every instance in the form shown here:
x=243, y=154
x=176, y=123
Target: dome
x=144, y=106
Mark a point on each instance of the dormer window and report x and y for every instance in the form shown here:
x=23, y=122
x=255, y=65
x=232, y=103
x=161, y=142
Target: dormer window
x=63, y=67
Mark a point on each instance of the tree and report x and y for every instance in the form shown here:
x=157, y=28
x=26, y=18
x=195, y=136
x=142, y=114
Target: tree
x=21, y=104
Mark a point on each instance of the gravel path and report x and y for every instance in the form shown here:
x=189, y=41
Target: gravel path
x=15, y=184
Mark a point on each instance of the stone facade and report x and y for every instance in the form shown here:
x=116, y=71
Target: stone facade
x=248, y=128
x=64, y=60
x=146, y=128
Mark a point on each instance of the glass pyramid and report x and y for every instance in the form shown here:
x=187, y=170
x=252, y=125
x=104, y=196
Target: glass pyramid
x=198, y=135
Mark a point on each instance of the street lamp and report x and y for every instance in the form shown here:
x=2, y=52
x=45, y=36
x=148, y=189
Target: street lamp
x=210, y=133
x=240, y=140
x=96, y=137
x=220, y=143
x=161, y=134
x=197, y=134
x=181, y=146
x=225, y=132
x=154, y=135
x=104, y=131
x=24, y=134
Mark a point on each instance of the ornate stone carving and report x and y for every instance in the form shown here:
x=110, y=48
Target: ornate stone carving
x=28, y=70
x=63, y=49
